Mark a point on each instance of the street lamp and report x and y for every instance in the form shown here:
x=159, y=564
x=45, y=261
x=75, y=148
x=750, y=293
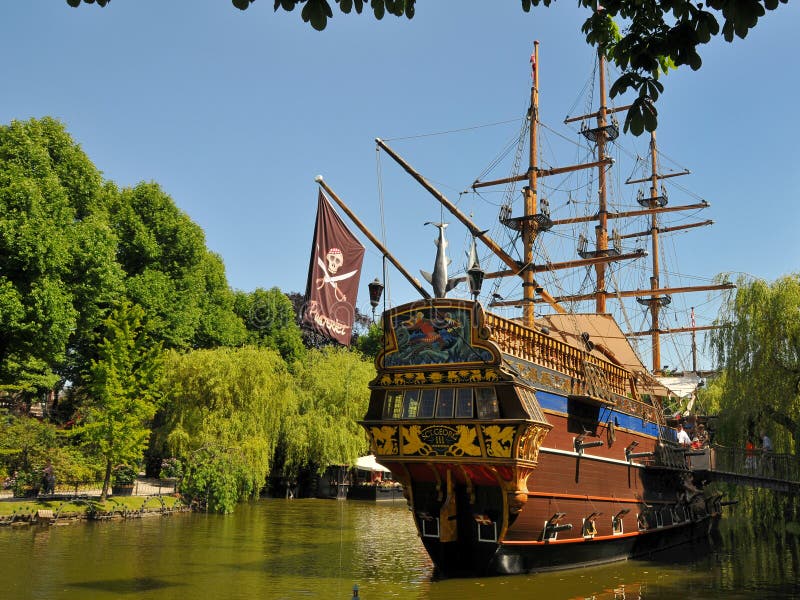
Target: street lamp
x=375, y=291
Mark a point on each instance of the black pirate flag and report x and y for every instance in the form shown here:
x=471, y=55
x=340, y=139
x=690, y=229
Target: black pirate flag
x=333, y=276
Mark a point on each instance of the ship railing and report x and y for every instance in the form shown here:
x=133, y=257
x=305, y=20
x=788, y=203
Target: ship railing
x=533, y=346
x=755, y=463
x=670, y=454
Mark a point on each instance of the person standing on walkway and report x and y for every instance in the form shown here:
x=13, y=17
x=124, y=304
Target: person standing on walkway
x=766, y=451
x=49, y=478
x=683, y=437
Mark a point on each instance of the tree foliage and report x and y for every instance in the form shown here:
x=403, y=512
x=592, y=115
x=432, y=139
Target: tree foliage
x=223, y=416
x=371, y=342
x=57, y=266
x=121, y=393
x=72, y=246
x=333, y=393
x=271, y=322
x=758, y=347
x=25, y=444
x=170, y=273
x=656, y=36
x=28, y=444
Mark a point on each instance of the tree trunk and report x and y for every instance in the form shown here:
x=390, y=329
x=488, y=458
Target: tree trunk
x=106, y=481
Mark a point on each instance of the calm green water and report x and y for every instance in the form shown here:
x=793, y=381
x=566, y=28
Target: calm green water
x=319, y=548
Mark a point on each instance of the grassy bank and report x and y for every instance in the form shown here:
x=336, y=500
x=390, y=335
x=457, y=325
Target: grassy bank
x=130, y=503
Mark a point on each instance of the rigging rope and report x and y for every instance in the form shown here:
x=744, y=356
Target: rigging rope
x=449, y=131
x=387, y=297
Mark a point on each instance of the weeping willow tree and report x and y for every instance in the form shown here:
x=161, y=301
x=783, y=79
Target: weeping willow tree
x=758, y=348
x=332, y=385
x=223, y=417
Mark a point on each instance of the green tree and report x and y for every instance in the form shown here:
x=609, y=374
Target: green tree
x=57, y=267
x=223, y=416
x=271, y=321
x=657, y=35
x=758, y=347
x=121, y=392
x=371, y=342
x=333, y=397
x=219, y=324
x=25, y=444
x=170, y=272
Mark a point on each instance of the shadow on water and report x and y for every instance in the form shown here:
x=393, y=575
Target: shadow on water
x=320, y=548
x=135, y=585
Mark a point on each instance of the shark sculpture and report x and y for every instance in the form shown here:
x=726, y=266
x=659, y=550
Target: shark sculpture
x=438, y=279
x=472, y=256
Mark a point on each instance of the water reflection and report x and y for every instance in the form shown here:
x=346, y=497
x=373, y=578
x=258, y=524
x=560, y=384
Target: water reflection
x=320, y=548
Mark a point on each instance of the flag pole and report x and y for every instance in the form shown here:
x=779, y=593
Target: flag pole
x=412, y=280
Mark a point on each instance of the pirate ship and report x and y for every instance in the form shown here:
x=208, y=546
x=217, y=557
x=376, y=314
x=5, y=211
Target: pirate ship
x=537, y=441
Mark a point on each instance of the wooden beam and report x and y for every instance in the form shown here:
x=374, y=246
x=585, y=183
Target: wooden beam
x=570, y=264
x=675, y=330
x=666, y=229
x=646, y=292
x=657, y=176
x=594, y=115
x=632, y=213
x=542, y=173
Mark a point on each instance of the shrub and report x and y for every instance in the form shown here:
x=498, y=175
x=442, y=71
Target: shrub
x=124, y=475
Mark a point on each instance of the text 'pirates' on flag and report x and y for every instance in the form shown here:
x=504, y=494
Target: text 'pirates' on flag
x=333, y=275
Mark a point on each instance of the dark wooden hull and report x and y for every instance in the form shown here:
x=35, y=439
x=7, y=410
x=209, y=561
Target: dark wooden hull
x=532, y=558
x=453, y=559
x=550, y=459
x=668, y=518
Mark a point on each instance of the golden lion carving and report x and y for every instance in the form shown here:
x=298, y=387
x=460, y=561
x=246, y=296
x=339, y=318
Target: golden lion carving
x=467, y=444
x=385, y=439
x=411, y=442
x=498, y=440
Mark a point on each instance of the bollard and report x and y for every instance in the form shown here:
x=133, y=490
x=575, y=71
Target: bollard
x=355, y=591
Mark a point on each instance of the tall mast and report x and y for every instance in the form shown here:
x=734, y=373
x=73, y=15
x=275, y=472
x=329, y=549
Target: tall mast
x=655, y=204
x=529, y=225
x=694, y=344
x=654, y=279
x=602, y=226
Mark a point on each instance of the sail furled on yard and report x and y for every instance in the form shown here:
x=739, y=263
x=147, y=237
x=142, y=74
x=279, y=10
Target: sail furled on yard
x=333, y=275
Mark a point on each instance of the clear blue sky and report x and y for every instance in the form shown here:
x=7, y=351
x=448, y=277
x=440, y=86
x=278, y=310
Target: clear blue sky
x=234, y=113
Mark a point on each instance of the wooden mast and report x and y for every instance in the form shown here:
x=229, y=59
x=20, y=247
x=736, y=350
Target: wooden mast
x=473, y=229
x=654, y=279
x=602, y=227
x=530, y=225
x=694, y=344
x=529, y=228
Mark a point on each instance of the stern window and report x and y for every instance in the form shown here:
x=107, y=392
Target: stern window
x=411, y=404
x=444, y=408
x=427, y=403
x=393, y=405
x=487, y=403
x=464, y=406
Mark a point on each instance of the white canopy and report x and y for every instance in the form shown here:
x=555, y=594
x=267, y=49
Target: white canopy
x=682, y=386
x=368, y=463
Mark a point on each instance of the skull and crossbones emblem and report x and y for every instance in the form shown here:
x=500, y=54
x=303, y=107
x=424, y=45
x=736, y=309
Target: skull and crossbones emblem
x=334, y=259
